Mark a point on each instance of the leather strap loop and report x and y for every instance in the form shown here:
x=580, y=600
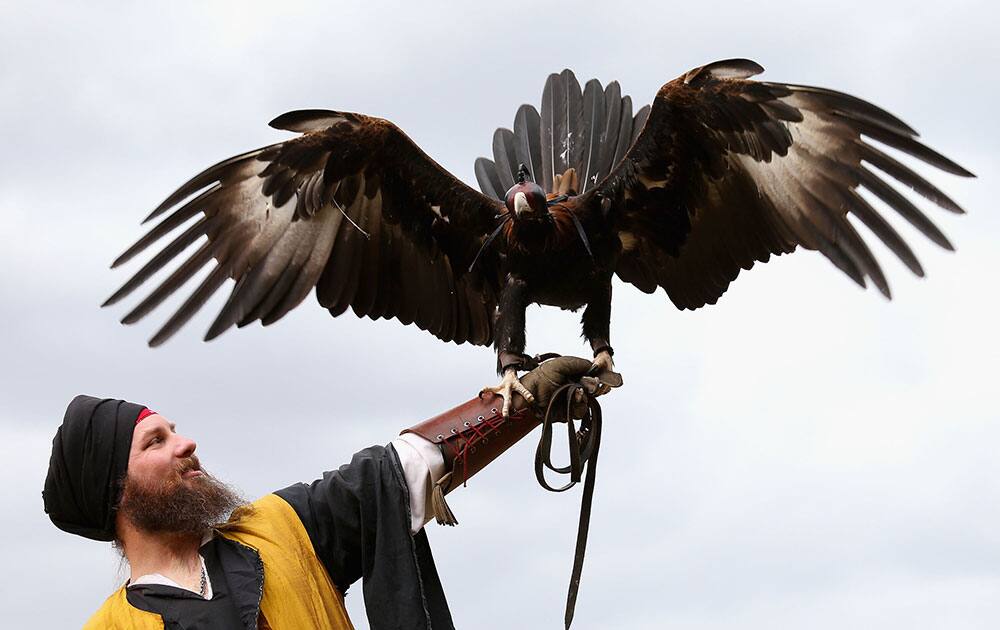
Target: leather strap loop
x=584, y=445
x=522, y=362
x=604, y=348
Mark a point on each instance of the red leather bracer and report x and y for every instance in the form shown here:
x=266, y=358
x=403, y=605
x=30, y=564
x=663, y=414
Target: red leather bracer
x=471, y=436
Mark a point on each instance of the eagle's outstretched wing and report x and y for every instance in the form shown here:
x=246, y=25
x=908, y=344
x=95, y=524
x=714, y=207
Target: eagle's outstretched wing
x=352, y=207
x=727, y=171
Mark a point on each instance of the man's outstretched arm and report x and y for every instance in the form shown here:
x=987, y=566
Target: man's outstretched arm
x=365, y=519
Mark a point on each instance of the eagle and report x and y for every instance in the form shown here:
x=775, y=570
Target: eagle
x=720, y=172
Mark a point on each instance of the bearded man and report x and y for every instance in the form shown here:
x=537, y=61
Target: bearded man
x=121, y=472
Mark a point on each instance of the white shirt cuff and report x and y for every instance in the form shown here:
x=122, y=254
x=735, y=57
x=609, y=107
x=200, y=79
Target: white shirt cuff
x=423, y=465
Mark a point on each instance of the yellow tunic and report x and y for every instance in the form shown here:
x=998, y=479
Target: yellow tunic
x=298, y=593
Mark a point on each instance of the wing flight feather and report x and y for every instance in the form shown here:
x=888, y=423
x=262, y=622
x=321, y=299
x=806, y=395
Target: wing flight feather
x=725, y=171
x=351, y=207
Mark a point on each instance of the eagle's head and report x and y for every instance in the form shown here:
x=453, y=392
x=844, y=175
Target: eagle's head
x=526, y=200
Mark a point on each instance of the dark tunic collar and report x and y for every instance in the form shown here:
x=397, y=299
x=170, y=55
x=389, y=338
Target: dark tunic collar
x=237, y=575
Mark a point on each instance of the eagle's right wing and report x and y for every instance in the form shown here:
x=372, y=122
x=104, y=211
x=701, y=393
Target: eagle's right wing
x=352, y=207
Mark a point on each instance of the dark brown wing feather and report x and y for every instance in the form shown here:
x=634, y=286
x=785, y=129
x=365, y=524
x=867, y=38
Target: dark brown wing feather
x=353, y=208
x=726, y=172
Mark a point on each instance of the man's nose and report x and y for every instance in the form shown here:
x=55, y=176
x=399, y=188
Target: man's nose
x=185, y=447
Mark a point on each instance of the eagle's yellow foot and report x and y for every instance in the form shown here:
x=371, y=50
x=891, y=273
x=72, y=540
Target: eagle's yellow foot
x=602, y=364
x=507, y=387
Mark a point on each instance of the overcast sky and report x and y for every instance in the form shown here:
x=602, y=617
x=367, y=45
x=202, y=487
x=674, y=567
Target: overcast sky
x=804, y=454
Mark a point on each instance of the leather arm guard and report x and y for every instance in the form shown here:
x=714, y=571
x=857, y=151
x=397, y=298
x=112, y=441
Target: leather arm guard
x=475, y=433
x=471, y=436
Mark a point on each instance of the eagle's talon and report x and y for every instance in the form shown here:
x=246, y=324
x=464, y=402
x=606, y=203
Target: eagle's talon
x=602, y=362
x=506, y=389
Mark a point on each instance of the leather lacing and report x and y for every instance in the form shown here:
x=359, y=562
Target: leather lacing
x=474, y=432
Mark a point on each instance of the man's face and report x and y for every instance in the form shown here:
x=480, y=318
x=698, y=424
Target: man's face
x=161, y=455
x=165, y=489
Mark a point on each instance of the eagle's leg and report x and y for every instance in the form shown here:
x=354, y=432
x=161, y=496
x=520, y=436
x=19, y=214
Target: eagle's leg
x=597, y=329
x=510, y=341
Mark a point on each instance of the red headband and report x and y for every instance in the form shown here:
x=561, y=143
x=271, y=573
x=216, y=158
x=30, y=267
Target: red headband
x=145, y=413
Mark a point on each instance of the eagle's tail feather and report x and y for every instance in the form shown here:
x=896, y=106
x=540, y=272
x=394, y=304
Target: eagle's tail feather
x=587, y=130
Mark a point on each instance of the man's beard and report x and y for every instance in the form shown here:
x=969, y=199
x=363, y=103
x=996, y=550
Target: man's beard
x=183, y=507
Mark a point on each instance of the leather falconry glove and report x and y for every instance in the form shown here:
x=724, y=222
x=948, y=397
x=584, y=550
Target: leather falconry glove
x=475, y=433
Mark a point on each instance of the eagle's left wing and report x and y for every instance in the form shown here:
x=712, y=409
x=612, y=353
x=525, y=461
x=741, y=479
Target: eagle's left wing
x=727, y=171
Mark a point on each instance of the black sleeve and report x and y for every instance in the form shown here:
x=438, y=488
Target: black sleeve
x=358, y=518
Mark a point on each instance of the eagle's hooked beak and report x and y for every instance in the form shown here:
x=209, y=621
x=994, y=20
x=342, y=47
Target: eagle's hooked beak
x=521, y=204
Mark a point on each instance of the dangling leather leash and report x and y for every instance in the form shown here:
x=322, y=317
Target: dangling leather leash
x=584, y=445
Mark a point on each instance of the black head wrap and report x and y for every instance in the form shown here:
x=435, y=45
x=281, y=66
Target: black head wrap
x=89, y=457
